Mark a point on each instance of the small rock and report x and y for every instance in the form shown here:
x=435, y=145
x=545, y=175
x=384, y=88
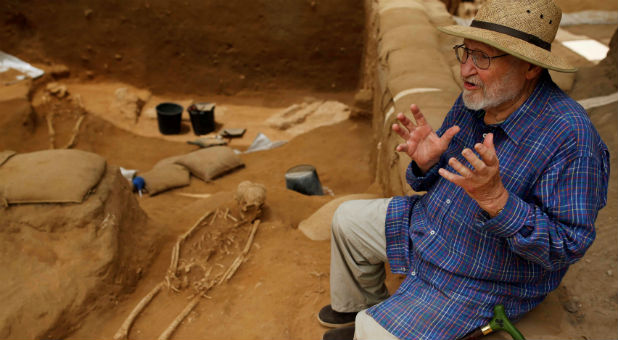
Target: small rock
x=127, y=103
x=89, y=74
x=88, y=13
x=363, y=103
x=59, y=71
x=588, y=261
x=571, y=307
x=57, y=89
x=610, y=273
x=118, y=56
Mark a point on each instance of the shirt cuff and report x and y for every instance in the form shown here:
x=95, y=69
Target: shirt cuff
x=510, y=220
x=419, y=181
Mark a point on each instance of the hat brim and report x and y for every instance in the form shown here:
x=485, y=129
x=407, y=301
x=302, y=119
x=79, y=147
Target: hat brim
x=513, y=46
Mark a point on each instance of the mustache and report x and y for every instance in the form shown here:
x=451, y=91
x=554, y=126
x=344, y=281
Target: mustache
x=473, y=80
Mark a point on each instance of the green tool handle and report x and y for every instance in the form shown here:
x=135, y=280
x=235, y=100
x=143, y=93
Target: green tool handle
x=501, y=323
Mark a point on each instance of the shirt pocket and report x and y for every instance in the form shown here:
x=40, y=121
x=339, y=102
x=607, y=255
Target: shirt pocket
x=467, y=253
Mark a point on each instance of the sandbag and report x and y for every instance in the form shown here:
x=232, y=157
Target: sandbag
x=164, y=177
x=402, y=16
x=207, y=164
x=422, y=40
x=5, y=155
x=317, y=226
x=50, y=176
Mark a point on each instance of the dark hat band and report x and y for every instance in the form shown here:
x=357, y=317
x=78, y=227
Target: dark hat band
x=512, y=32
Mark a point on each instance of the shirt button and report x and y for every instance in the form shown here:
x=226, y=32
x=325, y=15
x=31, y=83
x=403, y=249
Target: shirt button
x=413, y=273
x=448, y=201
x=433, y=232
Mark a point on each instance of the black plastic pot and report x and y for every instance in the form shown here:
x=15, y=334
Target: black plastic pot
x=202, y=118
x=169, y=116
x=304, y=179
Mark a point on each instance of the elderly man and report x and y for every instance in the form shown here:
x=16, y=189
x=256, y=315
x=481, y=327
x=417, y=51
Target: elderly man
x=514, y=180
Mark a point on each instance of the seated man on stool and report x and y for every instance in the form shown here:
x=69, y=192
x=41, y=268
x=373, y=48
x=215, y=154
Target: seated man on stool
x=514, y=180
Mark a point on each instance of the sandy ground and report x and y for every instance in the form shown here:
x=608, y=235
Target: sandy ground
x=278, y=290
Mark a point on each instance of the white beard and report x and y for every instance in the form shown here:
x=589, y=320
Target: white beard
x=499, y=92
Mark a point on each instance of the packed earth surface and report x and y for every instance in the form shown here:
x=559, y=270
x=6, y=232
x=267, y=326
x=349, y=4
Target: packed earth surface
x=254, y=60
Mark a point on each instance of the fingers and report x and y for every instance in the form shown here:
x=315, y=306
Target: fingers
x=401, y=131
x=477, y=164
x=418, y=115
x=408, y=147
x=405, y=121
x=451, y=177
x=487, y=150
x=460, y=168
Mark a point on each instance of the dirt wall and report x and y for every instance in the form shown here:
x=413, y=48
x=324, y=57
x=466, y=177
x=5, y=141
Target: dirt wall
x=62, y=261
x=219, y=46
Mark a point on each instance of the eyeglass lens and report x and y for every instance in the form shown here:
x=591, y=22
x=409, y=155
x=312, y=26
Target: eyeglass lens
x=480, y=59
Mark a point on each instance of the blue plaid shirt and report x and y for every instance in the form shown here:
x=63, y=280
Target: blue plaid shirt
x=460, y=262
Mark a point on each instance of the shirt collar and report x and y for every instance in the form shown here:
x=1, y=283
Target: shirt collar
x=516, y=125
x=521, y=119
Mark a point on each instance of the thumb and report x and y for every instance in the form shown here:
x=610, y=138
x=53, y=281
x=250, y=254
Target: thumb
x=449, y=134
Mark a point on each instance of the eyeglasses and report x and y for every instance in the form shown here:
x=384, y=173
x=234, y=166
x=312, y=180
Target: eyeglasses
x=480, y=58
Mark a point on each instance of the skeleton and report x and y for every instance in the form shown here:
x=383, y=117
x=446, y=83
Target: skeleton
x=177, y=279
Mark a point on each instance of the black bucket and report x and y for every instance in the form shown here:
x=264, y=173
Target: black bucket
x=304, y=179
x=169, y=116
x=202, y=117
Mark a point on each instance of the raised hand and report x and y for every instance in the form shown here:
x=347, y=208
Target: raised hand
x=482, y=182
x=421, y=142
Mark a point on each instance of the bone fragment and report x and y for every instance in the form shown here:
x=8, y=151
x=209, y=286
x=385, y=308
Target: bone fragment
x=71, y=142
x=176, y=250
x=172, y=327
x=50, y=128
x=241, y=257
x=123, y=331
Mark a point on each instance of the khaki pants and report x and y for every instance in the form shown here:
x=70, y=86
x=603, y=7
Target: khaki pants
x=368, y=329
x=358, y=254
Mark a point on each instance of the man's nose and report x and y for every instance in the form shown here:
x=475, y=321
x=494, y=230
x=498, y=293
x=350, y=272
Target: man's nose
x=467, y=69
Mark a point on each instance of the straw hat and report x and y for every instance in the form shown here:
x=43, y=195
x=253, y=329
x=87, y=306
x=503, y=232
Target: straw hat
x=522, y=28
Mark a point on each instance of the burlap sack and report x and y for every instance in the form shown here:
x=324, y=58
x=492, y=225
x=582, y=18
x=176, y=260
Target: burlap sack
x=168, y=160
x=421, y=39
x=418, y=61
x=391, y=18
x=438, y=13
x=207, y=164
x=317, y=226
x=50, y=176
x=165, y=177
x=5, y=155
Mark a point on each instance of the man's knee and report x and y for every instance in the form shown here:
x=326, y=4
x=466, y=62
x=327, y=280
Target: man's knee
x=342, y=222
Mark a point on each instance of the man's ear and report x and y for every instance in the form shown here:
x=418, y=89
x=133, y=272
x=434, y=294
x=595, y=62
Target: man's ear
x=533, y=71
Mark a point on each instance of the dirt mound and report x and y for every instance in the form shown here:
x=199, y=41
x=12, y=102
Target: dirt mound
x=221, y=46
x=604, y=76
x=85, y=254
